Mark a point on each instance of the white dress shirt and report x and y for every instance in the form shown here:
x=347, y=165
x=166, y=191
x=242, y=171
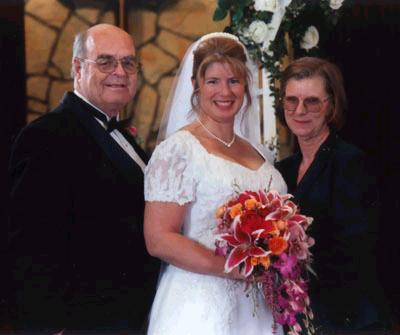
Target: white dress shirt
x=117, y=136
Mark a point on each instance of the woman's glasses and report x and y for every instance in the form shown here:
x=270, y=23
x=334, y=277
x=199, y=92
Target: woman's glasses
x=108, y=64
x=311, y=104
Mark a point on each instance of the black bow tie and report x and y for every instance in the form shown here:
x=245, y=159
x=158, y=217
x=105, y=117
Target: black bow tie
x=112, y=124
x=119, y=125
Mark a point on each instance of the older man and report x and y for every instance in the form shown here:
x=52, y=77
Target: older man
x=77, y=256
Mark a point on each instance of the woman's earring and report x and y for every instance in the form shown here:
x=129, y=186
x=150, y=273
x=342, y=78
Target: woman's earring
x=197, y=96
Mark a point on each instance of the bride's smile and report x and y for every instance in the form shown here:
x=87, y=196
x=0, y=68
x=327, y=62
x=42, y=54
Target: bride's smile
x=221, y=92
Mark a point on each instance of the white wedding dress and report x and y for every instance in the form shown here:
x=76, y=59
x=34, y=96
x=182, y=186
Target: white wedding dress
x=187, y=303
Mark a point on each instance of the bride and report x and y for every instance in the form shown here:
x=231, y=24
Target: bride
x=207, y=156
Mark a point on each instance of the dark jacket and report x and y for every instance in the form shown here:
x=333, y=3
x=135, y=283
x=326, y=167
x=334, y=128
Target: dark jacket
x=76, y=249
x=341, y=196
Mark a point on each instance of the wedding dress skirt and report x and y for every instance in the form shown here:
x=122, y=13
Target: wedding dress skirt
x=187, y=303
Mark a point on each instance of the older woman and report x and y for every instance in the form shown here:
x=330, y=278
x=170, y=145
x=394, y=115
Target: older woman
x=191, y=173
x=330, y=182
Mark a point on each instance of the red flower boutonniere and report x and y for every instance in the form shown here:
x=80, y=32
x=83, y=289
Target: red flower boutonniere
x=133, y=131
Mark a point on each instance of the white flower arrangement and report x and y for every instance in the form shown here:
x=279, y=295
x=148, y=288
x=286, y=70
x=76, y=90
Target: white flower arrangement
x=262, y=25
x=265, y=5
x=257, y=31
x=310, y=39
x=335, y=4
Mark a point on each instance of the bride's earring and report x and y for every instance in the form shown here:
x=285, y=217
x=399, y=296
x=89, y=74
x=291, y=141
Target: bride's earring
x=195, y=98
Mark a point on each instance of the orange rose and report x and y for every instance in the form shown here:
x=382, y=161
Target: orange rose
x=271, y=228
x=265, y=262
x=220, y=212
x=281, y=224
x=250, y=204
x=236, y=210
x=277, y=245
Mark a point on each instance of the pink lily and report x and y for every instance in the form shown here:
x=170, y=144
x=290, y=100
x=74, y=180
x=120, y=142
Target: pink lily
x=244, y=248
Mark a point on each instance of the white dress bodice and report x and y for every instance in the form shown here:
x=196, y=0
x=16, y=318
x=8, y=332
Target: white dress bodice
x=182, y=171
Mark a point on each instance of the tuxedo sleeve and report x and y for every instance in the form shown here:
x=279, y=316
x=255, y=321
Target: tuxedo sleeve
x=38, y=230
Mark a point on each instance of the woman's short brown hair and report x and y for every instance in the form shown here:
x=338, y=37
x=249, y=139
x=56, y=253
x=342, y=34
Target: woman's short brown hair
x=219, y=50
x=308, y=67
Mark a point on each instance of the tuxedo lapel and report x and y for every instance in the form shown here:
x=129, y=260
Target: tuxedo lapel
x=122, y=161
x=128, y=136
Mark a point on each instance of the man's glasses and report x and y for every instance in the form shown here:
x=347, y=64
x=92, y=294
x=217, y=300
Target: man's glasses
x=311, y=104
x=108, y=64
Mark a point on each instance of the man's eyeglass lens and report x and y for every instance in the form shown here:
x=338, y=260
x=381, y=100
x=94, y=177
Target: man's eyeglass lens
x=311, y=104
x=109, y=64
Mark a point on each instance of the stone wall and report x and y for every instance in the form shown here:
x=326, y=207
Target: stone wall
x=161, y=37
x=49, y=31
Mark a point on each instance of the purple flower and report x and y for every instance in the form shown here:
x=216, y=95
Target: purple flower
x=287, y=318
x=299, y=242
x=285, y=264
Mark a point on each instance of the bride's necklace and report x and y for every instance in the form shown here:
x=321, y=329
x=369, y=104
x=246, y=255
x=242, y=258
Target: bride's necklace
x=227, y=144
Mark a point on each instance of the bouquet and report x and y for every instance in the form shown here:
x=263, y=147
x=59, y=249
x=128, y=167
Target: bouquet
x=264, y=235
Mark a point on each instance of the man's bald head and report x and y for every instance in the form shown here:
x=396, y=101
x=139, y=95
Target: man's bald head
x=79, y=48
x=104, y=67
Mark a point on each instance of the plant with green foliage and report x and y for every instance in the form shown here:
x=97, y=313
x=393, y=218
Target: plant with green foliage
x=305, y=22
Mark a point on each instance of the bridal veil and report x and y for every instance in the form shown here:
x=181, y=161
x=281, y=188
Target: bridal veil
x=178, y=110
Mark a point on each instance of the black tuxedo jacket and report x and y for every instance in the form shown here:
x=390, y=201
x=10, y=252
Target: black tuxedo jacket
x=76, y=248
x=341, y=196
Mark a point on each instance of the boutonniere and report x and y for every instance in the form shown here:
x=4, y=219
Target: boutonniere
x=134, y=133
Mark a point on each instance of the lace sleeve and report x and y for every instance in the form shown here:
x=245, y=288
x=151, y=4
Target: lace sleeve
x=168, y=175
